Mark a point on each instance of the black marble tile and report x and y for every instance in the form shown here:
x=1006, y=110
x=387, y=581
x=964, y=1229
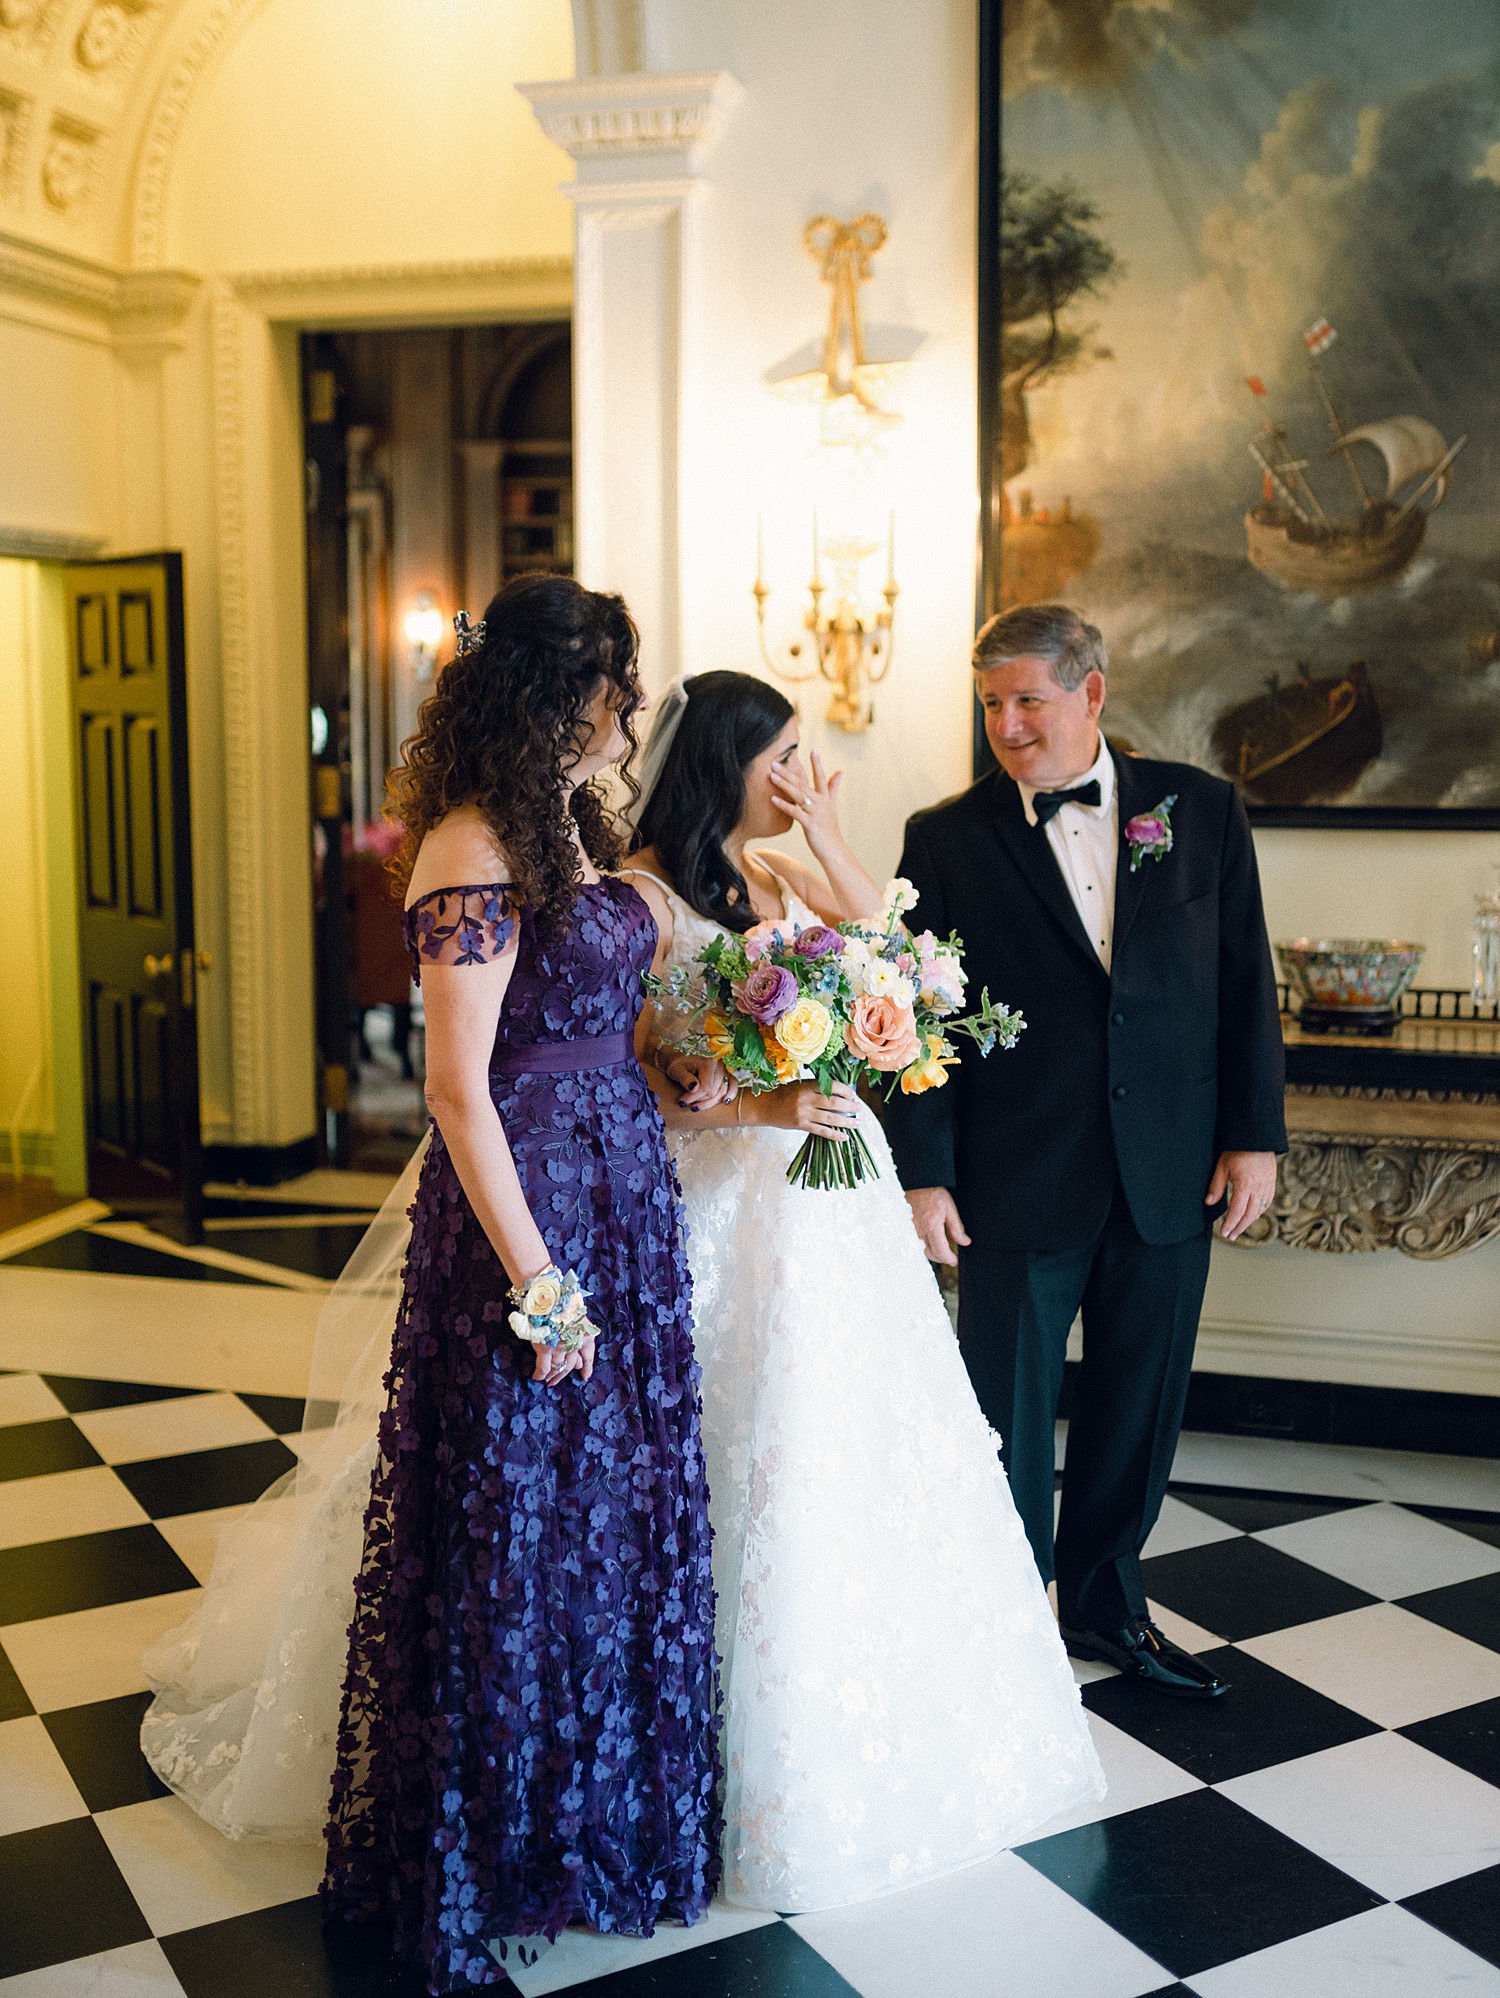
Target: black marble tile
x=1481, y=1525
x=34, y=1449
x=63, y=1897
x=1470, y=1736
x=1470, y=1608
x=55, y=1577
x=81, y=1396
x=289, y=1952
x=281, y=1412
x=769, y=1962
x=198, y=1480
x=1466, y=1909
x=1263, y=1719
x=103, y=1255
x=1253, y=1512
x=101, y=1744
x=1242, y=1588
x=317, y=1252
x=1196, y=1881
x=14, y=1701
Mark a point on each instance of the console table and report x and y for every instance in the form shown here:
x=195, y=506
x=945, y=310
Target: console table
x=1394, y=1143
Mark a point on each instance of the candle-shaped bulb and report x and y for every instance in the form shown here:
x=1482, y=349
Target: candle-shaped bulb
x=890, y=549
x=760, y=548
x=815, y=576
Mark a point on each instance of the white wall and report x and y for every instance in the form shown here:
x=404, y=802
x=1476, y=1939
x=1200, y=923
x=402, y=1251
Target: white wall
x=26, y=1100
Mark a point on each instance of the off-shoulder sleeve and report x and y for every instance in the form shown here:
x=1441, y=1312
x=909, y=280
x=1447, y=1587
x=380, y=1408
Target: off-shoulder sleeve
x=460, y=925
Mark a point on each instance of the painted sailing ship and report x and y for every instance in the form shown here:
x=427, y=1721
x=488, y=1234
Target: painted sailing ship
x=1295, y=541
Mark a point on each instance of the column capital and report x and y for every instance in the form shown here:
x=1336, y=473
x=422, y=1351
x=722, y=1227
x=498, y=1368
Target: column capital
x=639, y=126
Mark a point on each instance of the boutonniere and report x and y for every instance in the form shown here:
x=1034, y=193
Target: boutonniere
x=1150, y=832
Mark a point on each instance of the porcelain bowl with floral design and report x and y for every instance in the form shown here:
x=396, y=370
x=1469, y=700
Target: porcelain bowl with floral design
x=1350, y=974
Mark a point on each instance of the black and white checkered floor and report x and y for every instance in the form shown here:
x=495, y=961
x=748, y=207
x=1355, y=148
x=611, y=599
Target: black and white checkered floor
x=1331, y=1830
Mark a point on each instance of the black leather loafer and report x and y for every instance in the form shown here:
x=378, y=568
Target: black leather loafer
x=1146, y=1653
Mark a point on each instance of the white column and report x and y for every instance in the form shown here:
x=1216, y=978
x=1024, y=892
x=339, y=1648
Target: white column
x=638, y=140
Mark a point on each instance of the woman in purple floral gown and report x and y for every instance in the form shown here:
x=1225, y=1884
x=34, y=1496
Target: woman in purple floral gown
x=529, y=1726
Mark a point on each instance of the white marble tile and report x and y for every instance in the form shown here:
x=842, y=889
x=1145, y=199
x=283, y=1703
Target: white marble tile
x=1384, y=1953
x=140, y=1970
x=184, y=1874
x=168, y=1428
x=157, y=1329
x=65, y=1661
x=1181, y=1525
x=999, y=1930
x=35, y=1787
x=1336, y=1470
x=1134, y=1774
x=26, y=1398
x=1384, y=1663
x=64, y=1503
x=579, y=1954
x=1385, y=1550
x=194, y=1536
x=1087, y=1670
x=1382, y=1809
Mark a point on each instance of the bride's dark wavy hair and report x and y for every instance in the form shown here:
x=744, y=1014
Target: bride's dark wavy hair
x=504, y=725
x=699, y=797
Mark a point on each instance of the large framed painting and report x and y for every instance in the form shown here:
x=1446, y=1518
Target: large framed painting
x=1240, y=382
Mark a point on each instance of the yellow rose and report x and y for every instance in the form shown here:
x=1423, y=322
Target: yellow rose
x=543, y=1295
x=931, y=1070
x=806, y=1030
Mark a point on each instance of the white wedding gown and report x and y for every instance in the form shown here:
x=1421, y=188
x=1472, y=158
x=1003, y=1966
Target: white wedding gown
x=898, y=1702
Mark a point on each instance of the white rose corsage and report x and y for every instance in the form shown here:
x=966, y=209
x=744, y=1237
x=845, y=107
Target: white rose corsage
x=551, y=1309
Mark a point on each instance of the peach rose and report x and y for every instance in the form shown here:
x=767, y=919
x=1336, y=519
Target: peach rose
x=883, y=1033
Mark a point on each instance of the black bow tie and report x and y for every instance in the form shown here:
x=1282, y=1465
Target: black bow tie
x=1047, y=804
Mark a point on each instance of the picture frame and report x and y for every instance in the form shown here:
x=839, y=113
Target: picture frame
x=1231, y=367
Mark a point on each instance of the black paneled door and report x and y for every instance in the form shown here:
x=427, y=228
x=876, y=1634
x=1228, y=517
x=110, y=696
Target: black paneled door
x=138, y=964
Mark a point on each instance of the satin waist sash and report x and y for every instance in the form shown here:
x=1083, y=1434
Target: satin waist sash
x=563, y=1057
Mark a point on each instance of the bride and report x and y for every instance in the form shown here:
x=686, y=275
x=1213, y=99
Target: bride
x=897, y=1699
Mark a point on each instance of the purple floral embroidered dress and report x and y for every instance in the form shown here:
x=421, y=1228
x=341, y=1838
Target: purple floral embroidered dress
x=530, y=1714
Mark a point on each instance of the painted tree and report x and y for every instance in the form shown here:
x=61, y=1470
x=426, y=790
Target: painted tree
x=1051, y=257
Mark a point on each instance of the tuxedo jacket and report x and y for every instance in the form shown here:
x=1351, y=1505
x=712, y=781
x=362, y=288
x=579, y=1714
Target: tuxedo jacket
x=1138, y=1076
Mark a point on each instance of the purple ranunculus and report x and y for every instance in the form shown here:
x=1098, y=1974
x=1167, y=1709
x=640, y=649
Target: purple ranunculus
x=768, y=991
x=819, y=941
x=1148, y=830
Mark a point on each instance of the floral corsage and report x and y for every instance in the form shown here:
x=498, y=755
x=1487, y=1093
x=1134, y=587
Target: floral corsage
x=1150, y=832
x=552, y=1310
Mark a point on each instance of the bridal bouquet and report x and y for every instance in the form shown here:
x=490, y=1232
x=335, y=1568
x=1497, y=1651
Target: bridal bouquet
x=863, y=1002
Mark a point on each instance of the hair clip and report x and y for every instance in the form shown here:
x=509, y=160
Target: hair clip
x=470, y=635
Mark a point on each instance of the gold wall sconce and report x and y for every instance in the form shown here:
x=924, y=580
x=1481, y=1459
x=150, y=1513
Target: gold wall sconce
x=847, y=639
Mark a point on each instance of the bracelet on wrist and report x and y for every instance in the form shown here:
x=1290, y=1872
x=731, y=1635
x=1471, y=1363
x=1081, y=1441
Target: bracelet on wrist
x=551, y=1309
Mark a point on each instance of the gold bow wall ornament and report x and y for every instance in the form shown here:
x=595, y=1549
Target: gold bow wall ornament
x=845, y=642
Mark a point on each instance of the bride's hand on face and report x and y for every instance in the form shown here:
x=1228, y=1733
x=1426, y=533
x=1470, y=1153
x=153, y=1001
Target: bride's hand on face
x=810, y=801
x=703, y=1081
x=801, y=1106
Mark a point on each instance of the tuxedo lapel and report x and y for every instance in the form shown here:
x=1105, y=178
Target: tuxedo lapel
x=1031, y=850
x=1131, y=782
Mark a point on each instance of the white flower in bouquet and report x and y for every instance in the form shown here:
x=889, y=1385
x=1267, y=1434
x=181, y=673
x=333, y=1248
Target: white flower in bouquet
x=883, y=980
x=899, y=897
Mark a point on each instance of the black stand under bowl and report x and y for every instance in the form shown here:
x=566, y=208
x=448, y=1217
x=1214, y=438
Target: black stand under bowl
x=1377, y=1021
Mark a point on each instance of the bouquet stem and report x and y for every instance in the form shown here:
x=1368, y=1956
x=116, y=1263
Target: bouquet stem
x=833, y=1162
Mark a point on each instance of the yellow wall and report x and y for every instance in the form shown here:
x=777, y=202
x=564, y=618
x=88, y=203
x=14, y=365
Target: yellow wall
x=40, y=1077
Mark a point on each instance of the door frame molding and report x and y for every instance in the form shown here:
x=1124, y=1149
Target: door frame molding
x=256, y=319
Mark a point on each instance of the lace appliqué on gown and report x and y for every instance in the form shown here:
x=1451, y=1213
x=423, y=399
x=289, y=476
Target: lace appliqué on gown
x=897, y=1699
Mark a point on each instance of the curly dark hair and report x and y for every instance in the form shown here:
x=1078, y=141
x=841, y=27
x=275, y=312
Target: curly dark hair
x=697, y=799
x=504, y=725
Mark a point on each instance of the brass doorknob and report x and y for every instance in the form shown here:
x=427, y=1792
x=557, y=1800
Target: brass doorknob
x=158, y=967
x=205, y=960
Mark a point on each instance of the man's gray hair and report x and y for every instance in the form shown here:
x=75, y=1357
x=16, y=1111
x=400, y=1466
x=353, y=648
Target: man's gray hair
x=1071, y=648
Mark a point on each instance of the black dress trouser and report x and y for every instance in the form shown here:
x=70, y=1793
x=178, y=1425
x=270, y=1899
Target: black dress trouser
x=1140, y=1304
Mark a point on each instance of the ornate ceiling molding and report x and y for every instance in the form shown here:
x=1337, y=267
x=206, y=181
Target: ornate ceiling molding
x=640, y=112
x=131, y=305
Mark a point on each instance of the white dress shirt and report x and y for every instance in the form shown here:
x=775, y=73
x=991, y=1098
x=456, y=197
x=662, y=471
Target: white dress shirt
x=1086, y=841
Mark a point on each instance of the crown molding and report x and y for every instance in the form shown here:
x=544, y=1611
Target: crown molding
x=133, y=306
x=642, y=112
x=39, y=544
x=396, y=294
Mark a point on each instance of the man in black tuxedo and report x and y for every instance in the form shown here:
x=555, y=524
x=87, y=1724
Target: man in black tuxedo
x=1084, y=1169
